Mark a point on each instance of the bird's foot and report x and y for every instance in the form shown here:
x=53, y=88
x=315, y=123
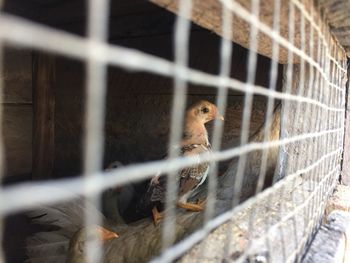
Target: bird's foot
x=157, y=216
x=192, y=207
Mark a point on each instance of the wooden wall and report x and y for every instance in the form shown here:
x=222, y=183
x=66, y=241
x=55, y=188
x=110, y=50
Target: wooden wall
x=17, y=111
x=139, y=104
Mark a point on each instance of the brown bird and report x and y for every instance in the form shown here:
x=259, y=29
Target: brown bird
x=194, y=142
x=64, y=234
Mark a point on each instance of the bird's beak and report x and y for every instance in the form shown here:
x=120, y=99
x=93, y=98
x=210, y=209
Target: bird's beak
x=218, y=116
x=106, y=234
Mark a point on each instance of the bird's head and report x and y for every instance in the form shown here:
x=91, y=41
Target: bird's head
x=114, y=165
x=204, y=111
x=76, y=252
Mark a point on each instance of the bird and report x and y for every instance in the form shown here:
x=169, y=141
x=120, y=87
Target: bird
x=116, y=200
x=77, y=244
x=63, y=232
x=194, y=142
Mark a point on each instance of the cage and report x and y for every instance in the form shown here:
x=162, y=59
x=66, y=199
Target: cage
x=87, y=83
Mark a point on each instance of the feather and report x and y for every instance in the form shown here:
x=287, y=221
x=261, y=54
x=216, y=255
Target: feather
x=68, y=218
x=47, y=258
x=47, y=244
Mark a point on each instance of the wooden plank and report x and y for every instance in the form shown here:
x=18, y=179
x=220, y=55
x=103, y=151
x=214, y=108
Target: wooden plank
x=74, y=18
x=17, y=76
x=204, y=49
x=133, y=132
x=44, y=105
x=18, y=111
x=212, y=21
x=69, y=117
x=293, y=123
x=331, y=243
x=345, y=174
x=337, y=13
x=61, y=12
x=17, y=132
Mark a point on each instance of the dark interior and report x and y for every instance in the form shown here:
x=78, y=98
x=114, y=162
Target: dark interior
x=138, y=104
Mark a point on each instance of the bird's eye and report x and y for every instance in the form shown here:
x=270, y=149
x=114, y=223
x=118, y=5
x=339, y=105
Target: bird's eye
x=205, y=110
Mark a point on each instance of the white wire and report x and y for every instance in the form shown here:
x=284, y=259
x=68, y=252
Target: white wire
x=98, y=53
x=295, y=211
x=31, y=194
x=48, y=39
x=253, y=20
x=181, y=43
x=185, y=244
x=2, y=150
x=221, y=102
x=309, y=17
x=269, y=111
x=94, y=117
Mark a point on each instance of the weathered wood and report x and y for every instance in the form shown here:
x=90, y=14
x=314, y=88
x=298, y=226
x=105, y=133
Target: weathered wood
x=74, y=18
x=17, y=76
x=345, y=175
x=71, y=15
x=18, y=111
x=133, y=132
x=331, y=243
x=240, y=28
x=44, y=109
x=17, y=125
x=337, y=13
x=303, y=118
x=69, y=92
x=339, y=200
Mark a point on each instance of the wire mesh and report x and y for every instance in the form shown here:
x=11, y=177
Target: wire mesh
x=309, y=142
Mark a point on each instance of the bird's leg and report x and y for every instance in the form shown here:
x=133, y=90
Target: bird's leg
x=191, y=207
x=157, y=216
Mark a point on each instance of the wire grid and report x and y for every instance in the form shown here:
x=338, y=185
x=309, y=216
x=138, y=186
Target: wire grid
x=311, y=142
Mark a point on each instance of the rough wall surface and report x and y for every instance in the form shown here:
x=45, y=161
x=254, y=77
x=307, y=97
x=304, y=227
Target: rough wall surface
x=337, y=13
x=331, y=241
x=208, y=14
x=139, y=104
x=18, y=111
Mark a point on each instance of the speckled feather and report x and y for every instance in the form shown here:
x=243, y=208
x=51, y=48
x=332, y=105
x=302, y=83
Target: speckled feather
x=189, y=178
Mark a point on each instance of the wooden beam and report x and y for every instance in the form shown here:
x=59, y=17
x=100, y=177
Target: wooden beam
x=43, y=117
x=337, y=13
x=208, y=14
x=345, y=174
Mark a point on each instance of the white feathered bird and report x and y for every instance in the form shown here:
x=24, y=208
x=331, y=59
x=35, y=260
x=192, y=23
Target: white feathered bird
x=62, y=244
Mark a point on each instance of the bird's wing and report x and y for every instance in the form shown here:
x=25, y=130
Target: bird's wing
x=191, y=177
x=157, y=190
x=46, y=259
x=69, y=215
x=47, y=247
x=65, y=219
x=188, y=178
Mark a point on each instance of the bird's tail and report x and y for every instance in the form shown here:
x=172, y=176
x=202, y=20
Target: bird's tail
x=59, y=223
